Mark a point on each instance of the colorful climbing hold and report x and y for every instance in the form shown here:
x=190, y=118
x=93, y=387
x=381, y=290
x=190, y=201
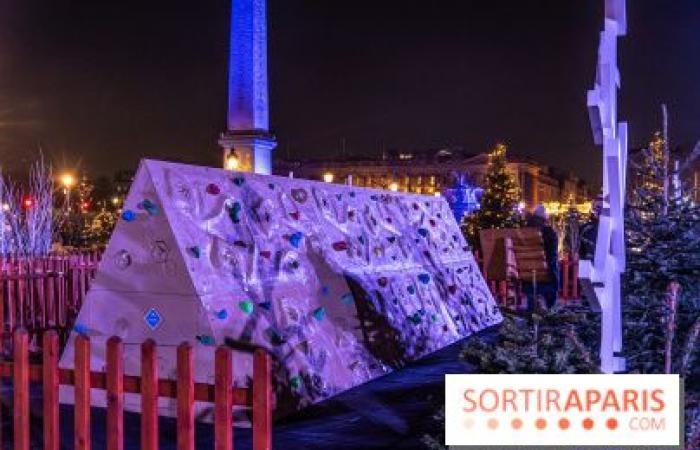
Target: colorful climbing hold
x=295, y=239
x=213, y=189
x=423, y=232
x=382, y=281
x=411, y=289
x=319, y=313
x=295, y=215
x=246, y=306
x=274, y=336
x=340, y=246
x=452, y=289
x=150, y=207
x=352, y=194
x=128, y=216
x=300, y=195
x=195, y=251
x=222, y=314
x=271, y=186
x=325, y=290
x=234, y=212
x=238, y=181
x=424, y=278
x=433, y=318
x=266, y=254
x=374, y=197
x=415, y=318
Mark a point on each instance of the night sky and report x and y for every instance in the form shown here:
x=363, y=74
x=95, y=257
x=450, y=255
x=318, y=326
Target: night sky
x=99, y=84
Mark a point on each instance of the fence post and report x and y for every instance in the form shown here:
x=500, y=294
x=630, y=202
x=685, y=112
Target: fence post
x=21, y=390
x=82, y=393
x=149, y=396
x=50, y=393
x=185, y=397
x=223, y=395
x=115, y=394
x=262, y=401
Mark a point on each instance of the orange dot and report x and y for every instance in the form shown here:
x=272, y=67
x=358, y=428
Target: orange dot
x=611, y=423
x=541, y=424
x=492, y=424
x=587, y=424
x=564, y=424
x=517, y=424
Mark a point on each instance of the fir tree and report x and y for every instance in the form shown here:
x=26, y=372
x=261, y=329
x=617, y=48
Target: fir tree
x=499, y=203
x=661, y=285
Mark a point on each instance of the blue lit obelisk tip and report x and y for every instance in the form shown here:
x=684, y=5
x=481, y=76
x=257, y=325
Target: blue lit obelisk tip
x=247, y=143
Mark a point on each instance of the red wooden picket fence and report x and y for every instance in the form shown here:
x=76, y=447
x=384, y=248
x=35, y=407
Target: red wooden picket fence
x=569, y=289
x=148, y=385
x=42, y=293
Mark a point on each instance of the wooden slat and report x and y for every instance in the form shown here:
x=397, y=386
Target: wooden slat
x=115, y=394
x=185, y=397
x=21, y=390
x=132, y=384
x=262, y=401
x=149, y=396
x=50, y=392
x=82, y=393
x=223, y=382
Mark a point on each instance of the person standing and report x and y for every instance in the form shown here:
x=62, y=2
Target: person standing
x=548, y=290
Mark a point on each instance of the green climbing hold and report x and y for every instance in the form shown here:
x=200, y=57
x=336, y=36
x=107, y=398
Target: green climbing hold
x=415, y=318
x=246, y=306
x=319, y=313
x=433, y=318
x=295, y=382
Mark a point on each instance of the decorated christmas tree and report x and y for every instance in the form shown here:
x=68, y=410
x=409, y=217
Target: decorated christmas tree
x=661, y=302
x=499, y=202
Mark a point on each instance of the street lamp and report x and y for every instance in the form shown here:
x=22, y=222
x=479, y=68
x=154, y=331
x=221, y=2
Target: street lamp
x=328, y=177
x=67, y=180
x=393, y=186
x=232, y=161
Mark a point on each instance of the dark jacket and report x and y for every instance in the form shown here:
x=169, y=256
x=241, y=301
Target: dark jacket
x=551, y=245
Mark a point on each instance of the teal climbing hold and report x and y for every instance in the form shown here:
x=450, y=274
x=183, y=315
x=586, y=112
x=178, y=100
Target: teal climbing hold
x=415, y=318
x=295, y=382
x=433, y=318
x=196, y=251
x=223, y=314
x=319, y=313
x=128, y=216
x=246, y=306
x=150, y=207
x=234, y=212
x=424, y=278
x=206, y=339
x=295, y=239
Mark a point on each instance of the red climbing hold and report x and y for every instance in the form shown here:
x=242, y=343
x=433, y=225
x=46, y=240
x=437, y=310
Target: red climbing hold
x=266, y=254
x=213, y=189
x=295, y=215
x=340, y=246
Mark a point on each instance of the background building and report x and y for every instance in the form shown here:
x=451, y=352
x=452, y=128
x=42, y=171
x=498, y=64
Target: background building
x=431, y=172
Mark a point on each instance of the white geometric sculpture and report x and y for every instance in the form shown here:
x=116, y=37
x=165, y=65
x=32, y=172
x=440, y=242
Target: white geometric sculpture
x=340, y=284
x=601, y=276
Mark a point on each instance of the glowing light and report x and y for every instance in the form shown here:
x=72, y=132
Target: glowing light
x=394, y=186
x=522, y=205
x=115, y=201
x=437, y=194
x=67, y=180
x=328, y=177
x=28, y=203
x=232, y=161
x=5, y=206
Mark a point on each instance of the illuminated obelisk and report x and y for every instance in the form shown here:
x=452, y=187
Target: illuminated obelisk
x=247, y=143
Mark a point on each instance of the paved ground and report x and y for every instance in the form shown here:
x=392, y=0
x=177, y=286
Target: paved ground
x=392, y=412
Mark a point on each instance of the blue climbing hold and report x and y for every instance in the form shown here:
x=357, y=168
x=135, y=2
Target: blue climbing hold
x=411, y=289
x=295, y=239
x=325, y=290
x=271, y=186
x=196, y=251
x=347, y=299
x=238, y=181
x=265, y=305
x=234, y=212
x=80, y=329
x=374, y=197
x=319, y=313
x=223, y=314
x=128, y=216
x=424, y=278
x=423, y=232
